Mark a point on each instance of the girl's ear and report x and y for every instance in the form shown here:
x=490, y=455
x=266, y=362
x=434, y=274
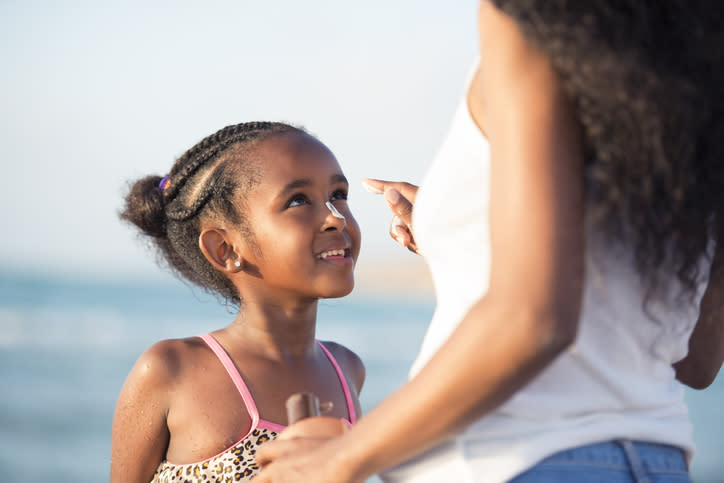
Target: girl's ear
x=219, y=251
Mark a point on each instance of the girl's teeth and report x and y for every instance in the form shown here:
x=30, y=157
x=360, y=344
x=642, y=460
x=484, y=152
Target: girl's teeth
x=331, y=253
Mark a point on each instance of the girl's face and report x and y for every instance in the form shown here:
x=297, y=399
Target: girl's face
x=303, y=249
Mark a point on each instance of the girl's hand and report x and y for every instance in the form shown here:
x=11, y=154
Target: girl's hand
x=400, y=197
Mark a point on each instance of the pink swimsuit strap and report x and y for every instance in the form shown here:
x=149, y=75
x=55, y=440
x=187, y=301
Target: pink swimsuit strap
x=233, y=372
x=343, y=381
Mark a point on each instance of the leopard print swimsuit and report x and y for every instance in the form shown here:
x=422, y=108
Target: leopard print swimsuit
x=237, y=463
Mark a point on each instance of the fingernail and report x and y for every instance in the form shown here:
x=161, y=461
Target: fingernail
x=392, y=196
x=371, y=188
x=400, y=237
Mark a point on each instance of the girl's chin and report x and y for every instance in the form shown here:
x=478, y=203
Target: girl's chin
x=338, y=292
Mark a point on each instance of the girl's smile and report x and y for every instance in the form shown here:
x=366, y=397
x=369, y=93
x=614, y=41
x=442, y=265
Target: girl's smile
x=337, y=256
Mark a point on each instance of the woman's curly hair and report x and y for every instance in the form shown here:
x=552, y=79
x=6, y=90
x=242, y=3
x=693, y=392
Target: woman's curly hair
x=204, y=182
x=646, y=78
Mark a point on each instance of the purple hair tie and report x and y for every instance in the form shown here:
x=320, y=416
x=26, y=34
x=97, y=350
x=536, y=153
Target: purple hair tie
x=164, y=183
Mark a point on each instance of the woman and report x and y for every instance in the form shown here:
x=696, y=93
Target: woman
x=569, y=293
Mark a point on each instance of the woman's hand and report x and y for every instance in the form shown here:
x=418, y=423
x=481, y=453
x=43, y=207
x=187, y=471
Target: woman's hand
x=303, y=452
x=302, y=459
x=400, y=197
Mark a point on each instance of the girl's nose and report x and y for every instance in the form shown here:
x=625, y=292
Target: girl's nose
x=336, y=214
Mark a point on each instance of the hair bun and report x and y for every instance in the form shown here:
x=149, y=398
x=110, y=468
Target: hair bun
x=144, y=207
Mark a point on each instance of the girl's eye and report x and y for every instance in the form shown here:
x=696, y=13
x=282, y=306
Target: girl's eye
x=339, y=195
x=297, y=200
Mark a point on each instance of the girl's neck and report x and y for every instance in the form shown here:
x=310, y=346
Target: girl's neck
x=276, y=332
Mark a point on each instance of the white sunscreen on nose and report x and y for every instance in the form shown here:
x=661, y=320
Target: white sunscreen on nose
x=334, y=211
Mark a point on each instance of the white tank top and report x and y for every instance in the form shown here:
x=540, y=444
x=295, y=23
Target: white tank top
x=615, y=381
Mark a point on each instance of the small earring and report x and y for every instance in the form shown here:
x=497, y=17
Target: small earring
x=237, y=263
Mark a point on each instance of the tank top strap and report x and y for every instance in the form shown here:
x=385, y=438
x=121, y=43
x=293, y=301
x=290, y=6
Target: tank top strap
x=343, y=381
x=235, y=377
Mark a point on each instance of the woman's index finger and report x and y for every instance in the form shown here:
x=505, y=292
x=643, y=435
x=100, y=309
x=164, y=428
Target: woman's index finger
x=379, y=186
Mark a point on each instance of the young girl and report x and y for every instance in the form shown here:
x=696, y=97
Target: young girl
x=257, y=214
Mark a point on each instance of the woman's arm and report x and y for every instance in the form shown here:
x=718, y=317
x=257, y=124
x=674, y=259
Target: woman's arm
x=140, y=434
x=706, y=345
x=530, y=313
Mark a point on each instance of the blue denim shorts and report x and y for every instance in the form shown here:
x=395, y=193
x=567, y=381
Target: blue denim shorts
x=621, y=461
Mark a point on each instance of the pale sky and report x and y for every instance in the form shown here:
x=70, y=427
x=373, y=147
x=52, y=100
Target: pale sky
x=96, y=93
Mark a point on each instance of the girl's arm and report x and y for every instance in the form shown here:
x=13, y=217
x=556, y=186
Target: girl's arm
x=706, y=345
x=140, y=435
x=530, y=313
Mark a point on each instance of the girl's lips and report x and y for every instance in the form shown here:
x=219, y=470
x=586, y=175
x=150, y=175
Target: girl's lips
x=337, y=256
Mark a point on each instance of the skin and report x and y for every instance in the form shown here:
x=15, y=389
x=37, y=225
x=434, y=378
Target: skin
x=530, y=312
x=178, y=403
x=706, y=345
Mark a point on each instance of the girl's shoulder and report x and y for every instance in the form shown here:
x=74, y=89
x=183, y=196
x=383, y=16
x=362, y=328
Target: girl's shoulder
x=164, y=362
x=350, y=363
x=157, y=372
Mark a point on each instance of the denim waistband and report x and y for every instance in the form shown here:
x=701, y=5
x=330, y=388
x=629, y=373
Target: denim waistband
x=642, y=458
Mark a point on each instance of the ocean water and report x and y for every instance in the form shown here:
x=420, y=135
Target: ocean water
x=67, y=346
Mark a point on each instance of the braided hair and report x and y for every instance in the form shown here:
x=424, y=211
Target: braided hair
x=203, y=183
x=646, y=82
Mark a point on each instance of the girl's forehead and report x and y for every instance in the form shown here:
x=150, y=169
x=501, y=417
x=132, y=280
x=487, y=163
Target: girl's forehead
x=291, y=143
x=293, y=153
